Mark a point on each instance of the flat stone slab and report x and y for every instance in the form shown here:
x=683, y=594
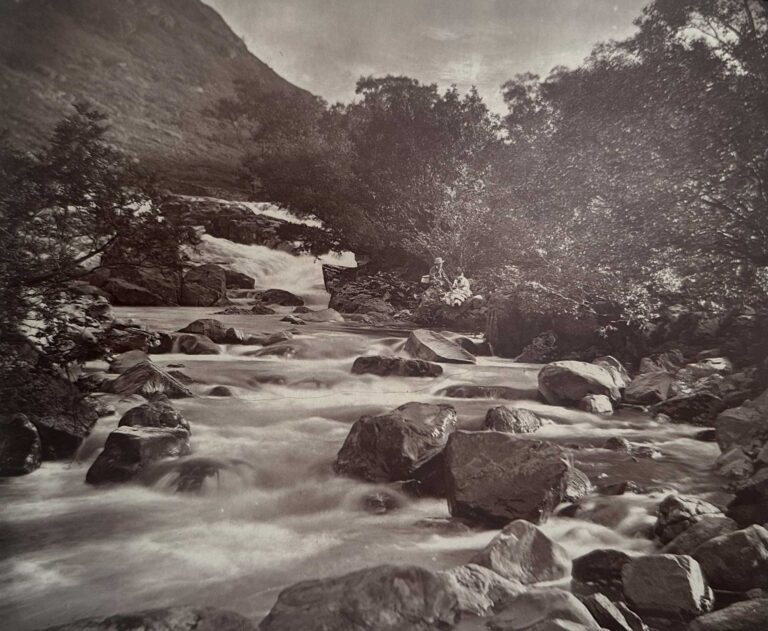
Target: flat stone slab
x=426, y=344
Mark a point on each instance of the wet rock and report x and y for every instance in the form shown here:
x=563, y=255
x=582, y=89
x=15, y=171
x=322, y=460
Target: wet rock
x=708, y=527
x=392, y=446
x=258, y=309
x=322, y=315
x=750, y=506
x=381, y=502
x=578, y=486
x=127, y=360
x=444, y=525
x=181, y=376
x=169, y=619
x=620, y=488
x=493, y=478
x=397, y=366
x=512, y=420
x=608, y=615
x=20, y=447
x=279, y=297
x=234, y=335
x=62, y=432
x=521, y=552
x=121, y=340
x=385, y=598
x=277, y=338
x=129, y=450
x=121, y=292
x=157, y=413
x=429, y=479
x=481, y=591
x=677, y=513
x=698, y=408
x=209, y=327
x=600, y=571
x=194, y=344
x=568, y=382
x=636, y=450
x=749, y=615
x=475, y=347
x=736, y=561
x=220, y=391
x=666, y=586
x=649, y=388
x=292, y=319
x=148, y=379
x=471, y=391
x=204, y=286
x=543, y=609
x=301, y=310
x=431, y=346
x=238, y=280
x=596, y=404
x=706, y=435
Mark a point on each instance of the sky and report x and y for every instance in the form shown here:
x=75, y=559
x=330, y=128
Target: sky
x=326, y=45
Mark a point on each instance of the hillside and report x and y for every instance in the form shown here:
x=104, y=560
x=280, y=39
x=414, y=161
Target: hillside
x=152, y=65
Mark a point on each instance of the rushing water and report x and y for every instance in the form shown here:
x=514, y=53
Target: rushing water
x=278, y=514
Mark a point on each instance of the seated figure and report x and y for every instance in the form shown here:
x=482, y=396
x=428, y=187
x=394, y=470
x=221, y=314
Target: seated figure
x=460, y=291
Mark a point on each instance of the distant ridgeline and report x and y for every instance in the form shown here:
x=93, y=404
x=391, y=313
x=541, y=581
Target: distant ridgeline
x=154, y=67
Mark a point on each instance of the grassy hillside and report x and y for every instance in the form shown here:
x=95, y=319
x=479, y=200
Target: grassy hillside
x=152, y=65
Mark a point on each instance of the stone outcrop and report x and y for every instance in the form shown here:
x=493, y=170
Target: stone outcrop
x=392, y=446
x=493, y=478
x=431, y=346
x=521, y=552
x=385, y=598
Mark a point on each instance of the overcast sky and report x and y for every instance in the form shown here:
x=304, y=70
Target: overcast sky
x=326, y=45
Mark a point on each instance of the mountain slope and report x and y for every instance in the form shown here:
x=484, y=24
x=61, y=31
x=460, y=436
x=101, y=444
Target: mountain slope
x=152, y=65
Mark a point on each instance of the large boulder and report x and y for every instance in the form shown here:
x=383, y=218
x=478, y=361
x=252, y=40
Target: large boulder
x=616, y=369
x=209, y=327
x=708, y=527
x=512, y=420
x=20, y=448
x=481, y=591
x=698, y=407
x=667, y=586
x=596, y=404
x=649, y=388
x=736, y=561
x=493, y=477
x=610, y=616
x=599, y=571
x=156, y=413
x=238, y=280
x=543, y=609
x=745, y=426
x=129, y=450
x=384, y=598
x=749, y=615
x=194, y=344
x=279, y=297
x=568, y=382
x=677, y=513
x=204, y=286
x=392, y=446
x=750, y=506
x=169, y=619
x=149, y=379
x=121, y=292
x=62, y=432
x=395, y=366
x=426, y=344
x=521, y=552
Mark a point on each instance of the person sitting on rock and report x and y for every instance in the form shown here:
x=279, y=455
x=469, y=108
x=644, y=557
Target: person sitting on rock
x=460, y=291
x=437, y=277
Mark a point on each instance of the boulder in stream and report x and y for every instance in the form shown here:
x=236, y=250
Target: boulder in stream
x=543, y=609
x=238, y=280
x=521, y=552
x=736, y=561
x=391, y=446
x=493, y=478
x=649, y=388
x=204, y=286
x=395, y=366
x=667, y=586
x=280, y=297
x=596, y=404
x=745, y=426
x=708, y=527
x=568, y=382
x=121, y=292
x=209, y=327
x=129, y=450
x=599, y=571
x=168, y=619
x=127, y=360
x=20, y=448
x=677, y=513
x=750, y=506
x=481, y=591
x=472, y=391
x=148, y=379
x=321, y=315
x=194, y=344
x=512, y=420
x=431, y=346
x=385, y=598
x=158, y=412
x=748, y=615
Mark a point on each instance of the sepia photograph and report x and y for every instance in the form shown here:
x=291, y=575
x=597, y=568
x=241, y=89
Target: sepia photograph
x=383, y=315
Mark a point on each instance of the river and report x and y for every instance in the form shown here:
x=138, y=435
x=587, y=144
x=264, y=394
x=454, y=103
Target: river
x=278, y=514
